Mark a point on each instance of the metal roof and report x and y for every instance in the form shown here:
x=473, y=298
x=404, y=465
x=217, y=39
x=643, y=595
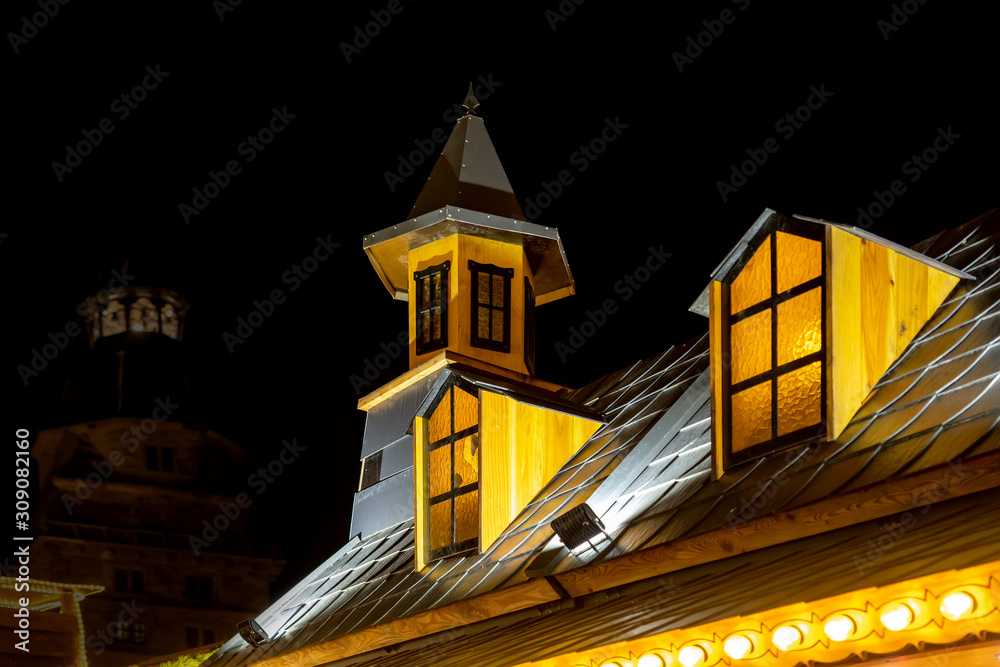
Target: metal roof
x=647, y=472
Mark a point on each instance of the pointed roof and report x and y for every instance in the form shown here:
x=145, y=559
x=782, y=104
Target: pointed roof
x=468, y=174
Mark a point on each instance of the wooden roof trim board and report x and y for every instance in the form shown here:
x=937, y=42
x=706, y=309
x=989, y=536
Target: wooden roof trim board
x=952, y=480
x=444, y=360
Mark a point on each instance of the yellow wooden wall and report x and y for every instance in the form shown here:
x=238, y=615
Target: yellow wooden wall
x=421, y=488
x=459, y=249
x=523, y=447
x=879, y=300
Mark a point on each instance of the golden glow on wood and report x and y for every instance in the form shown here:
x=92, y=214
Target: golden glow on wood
x=831, y=513
x=459, y=249
x=421, y=487
x=441, y=360
x=717, y=359
x=768, y=644
x=879, y=300
x=523, y=447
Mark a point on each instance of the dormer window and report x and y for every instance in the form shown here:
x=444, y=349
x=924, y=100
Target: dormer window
x=774, y=335
x=805, y=318
x=432, y=307
x=490, y=306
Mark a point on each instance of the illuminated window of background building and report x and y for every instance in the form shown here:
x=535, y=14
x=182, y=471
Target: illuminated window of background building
x=143, y=316
x=490, y=306
x=113, y=319
x=773, y=323
x=452, y=464
x=431, y=301
x=168, y=321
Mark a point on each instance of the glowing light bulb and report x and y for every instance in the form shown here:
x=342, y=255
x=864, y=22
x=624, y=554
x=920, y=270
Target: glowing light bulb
x=839, y=627
x=897, y=616
x=692, y=655
x=957, y=605
x=738, y=647
x=651, y=660
x=611, y=663
x=787, y=636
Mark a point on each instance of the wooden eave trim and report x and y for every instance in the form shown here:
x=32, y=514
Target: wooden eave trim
x=457, y=614
x=824, y=515
x=442, y=360
x=831, y=513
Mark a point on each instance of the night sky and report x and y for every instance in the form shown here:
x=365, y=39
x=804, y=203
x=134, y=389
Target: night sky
x=833, y=103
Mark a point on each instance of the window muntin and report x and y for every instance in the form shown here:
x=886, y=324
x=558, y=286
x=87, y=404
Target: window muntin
x=490, y=306
x=774, y=338
x=129, y=581
x=431, y=300
x=159, y=458
x=452, y=464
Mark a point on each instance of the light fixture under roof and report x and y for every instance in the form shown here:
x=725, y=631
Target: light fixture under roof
x=577, y=526
x=252, y=633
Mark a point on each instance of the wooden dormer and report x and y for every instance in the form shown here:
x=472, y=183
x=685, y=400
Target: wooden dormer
x=805, y=318
x=469, y=265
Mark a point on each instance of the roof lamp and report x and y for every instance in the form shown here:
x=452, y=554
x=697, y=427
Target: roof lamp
x=840, y=627
x=896, y=616
x=738, y=647
x=692, y=655
x=957, y=605
x=787, y=637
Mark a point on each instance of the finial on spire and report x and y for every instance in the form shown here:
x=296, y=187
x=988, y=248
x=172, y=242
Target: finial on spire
x=470, y=103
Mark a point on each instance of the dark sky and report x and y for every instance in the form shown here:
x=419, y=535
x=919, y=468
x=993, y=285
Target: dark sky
x=692, y=90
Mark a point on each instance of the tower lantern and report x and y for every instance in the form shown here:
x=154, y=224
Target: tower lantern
x=471, y=268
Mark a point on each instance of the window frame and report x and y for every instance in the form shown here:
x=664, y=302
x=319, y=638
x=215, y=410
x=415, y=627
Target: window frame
x=507, y=275
x=433, y=344
x=529, y=326
x=808, y=434
x=447, y=393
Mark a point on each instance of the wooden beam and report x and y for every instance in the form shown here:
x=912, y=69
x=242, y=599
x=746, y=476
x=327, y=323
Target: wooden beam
x=455, y=615
x=892, y=497
x=447, y=358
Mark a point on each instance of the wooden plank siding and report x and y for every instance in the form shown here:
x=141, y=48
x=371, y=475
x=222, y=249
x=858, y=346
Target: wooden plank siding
x=879, y=300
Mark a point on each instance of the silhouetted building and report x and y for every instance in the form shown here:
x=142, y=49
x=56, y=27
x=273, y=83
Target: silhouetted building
x=141, y=500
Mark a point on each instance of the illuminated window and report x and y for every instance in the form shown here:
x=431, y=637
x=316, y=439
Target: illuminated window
x=113, y=319
x=143, y=316
x=490, y=306
x=431, y=300
x=772, y=329
x=451, y=459
x=168, y=321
